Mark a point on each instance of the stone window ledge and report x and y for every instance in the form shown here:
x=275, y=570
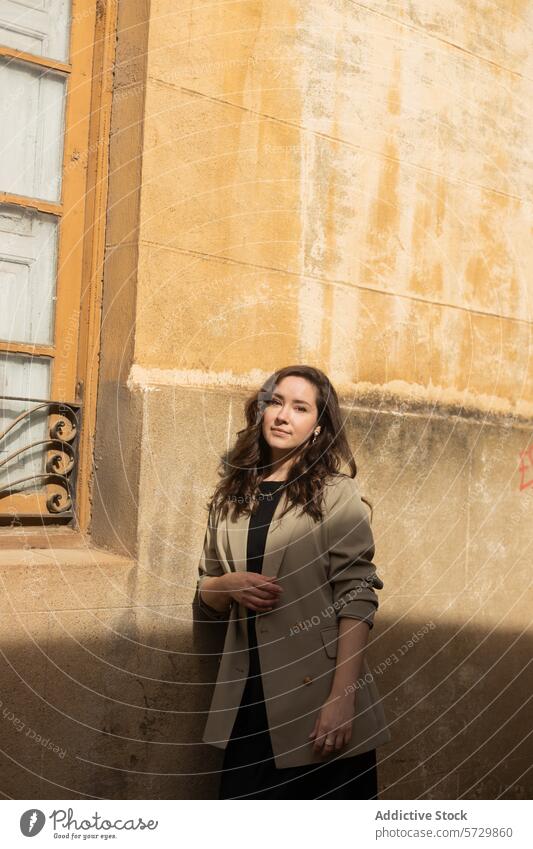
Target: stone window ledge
x=36, y=580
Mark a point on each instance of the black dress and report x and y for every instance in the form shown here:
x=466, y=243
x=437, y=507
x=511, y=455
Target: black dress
x=249, y=770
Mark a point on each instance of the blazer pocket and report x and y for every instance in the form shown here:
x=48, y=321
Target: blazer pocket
x=329, y=638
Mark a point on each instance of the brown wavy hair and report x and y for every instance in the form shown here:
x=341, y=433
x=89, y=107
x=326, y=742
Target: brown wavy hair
x=244, y=465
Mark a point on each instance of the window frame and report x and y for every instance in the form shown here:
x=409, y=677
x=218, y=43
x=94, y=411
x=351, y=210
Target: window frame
x=81, y=214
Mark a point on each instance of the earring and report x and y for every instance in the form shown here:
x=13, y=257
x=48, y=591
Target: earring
x=315, y=436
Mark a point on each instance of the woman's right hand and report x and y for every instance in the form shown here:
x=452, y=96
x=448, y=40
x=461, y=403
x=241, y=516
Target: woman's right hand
x=253, y=590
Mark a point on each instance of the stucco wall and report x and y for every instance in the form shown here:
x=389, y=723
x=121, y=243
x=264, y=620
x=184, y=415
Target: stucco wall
x=351, y=181
x=350, y=185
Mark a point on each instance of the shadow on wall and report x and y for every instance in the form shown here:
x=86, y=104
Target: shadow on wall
x=112, y=713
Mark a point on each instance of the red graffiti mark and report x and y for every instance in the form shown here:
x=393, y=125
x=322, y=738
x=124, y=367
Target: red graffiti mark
x=526, y=468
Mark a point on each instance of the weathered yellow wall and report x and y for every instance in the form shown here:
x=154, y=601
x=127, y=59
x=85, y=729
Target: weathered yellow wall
x=349, y=185
x=352, y=181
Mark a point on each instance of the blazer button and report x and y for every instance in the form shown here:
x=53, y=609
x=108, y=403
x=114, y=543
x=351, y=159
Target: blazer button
x=307, y=679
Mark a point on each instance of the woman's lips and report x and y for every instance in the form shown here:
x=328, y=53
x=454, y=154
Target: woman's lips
x=276, y=430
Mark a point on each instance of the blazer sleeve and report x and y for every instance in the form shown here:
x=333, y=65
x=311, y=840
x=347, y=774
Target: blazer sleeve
x=352, y=574
x=209, y=567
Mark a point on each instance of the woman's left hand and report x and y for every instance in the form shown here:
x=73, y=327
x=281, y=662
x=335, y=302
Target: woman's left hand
x=333, y=726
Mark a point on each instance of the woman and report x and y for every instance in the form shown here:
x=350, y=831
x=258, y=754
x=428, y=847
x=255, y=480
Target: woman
x=287, y=561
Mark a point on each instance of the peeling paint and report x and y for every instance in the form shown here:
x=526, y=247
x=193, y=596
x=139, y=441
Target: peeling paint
x=396, y=391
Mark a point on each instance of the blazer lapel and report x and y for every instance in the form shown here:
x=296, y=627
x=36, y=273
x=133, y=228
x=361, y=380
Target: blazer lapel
x=233, y=537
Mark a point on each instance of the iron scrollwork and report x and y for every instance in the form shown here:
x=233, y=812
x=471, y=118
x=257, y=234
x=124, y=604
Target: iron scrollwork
x=62, y=443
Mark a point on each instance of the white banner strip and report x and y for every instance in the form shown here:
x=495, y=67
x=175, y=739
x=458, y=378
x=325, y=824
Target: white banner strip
x=168, y=823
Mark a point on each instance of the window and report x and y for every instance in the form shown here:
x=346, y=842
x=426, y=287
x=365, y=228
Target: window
x=48, y=88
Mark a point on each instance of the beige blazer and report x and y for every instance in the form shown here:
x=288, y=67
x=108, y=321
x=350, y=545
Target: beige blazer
x=326, y=572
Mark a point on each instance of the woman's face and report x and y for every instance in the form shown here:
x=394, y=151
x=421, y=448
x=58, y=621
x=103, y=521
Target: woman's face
x=293, y=412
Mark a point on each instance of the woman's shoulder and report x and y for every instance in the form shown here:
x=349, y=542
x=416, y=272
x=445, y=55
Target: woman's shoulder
x=341, y=479
x=343, y=497
x=340, y=486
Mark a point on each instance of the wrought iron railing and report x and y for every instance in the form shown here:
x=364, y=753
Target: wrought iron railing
x=60, y=450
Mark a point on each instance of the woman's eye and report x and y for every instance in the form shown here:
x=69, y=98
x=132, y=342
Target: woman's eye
x=277, y=401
